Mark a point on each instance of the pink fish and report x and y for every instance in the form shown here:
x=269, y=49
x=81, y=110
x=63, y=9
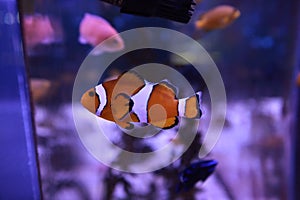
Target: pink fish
x=37, y=30
x=95, y=30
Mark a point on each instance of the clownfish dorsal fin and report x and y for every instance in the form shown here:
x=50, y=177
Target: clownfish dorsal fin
x=121, y=105
x=167, y=87
x=167, y=123
x=129, y=83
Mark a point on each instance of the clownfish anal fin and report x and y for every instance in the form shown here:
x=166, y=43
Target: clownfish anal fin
x=167, y=123
x=121, y=105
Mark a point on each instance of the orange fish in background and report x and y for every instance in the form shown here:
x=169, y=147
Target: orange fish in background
x=217, y=18
x=38, y=30
x=39, y=88
x=130, y=100
x=298, y=79
x=95, y=30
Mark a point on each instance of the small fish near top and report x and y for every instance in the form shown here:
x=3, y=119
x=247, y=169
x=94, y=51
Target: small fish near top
x=95, y=30
x=197, y=171
x=130, y=100
x=217, y=18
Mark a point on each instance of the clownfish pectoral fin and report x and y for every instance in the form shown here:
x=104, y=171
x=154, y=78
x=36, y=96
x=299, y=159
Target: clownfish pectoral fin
x=167, y=123
x=190, y=107
x=121, y=105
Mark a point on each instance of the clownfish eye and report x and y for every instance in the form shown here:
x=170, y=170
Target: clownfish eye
x=91, y=93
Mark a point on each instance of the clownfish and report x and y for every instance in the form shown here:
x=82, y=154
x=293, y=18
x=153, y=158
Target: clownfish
x=197, y=171
x=130, y=99
x=218, y=17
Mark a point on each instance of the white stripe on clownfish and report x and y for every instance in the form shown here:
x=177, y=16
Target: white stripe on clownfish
x=102, y=97
x=181, y=106
x=140, y=101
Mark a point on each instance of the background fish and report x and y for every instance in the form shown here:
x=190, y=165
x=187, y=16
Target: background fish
x=38, y=30
x=218, y=17
x=198, y=171
x=130, y=99
x=95, y=30
x=39, y=88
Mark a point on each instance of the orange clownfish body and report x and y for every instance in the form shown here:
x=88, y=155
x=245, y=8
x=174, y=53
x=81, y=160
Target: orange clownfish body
x=130, y=99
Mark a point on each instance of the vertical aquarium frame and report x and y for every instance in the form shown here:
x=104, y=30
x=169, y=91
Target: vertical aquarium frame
x=295, y=97
x=19, y=177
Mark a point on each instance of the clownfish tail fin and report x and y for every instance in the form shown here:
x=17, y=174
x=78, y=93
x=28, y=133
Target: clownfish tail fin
x=190, y=107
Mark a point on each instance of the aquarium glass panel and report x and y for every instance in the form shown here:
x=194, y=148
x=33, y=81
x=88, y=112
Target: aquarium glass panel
x=131, y=101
